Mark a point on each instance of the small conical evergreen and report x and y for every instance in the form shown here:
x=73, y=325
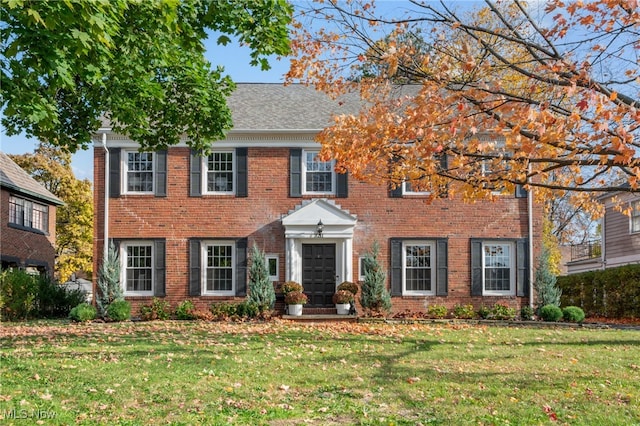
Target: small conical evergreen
x=547, y=293
x=374, y=296
x=109, y=288
x=261, y=289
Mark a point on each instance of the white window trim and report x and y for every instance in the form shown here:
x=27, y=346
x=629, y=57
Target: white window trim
x=361, y=273
x=635, y=212
x=125, y=172
x=205, y=173
x=123, y=269
x=409, y=192
x=431, y=244
x=304, y=175
x=41, y=225
x=275, y=257
x=512, y=269
x=203, y=278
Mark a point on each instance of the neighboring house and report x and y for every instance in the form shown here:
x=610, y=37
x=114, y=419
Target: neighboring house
x=183, y=224
x=620, y=243
x=28, y=232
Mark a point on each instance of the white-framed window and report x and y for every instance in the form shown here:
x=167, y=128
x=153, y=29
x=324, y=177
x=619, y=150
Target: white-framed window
x=138, y=172
x=137, y=274
x=219, y=268
x=219, y=169
x=634, y=219
x=418, y=268
x=498, y=268
x=273, y=266
x=28, y=214
x=319, y=177
x=409, y=189
x=361, y=269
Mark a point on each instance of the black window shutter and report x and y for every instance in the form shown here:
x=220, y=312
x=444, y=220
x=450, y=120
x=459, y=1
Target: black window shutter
x=521, y=192
x=114, y=172
x=295, y=173
x=476, y=267
x=396, y=267
x=159, y=268
x=161, y=174
x=522, y=270
x=195, y=174
x=442, y=271
x=342, y=185
x=444, y=166
x=395, y=192
x=195, y=287
x=241, y=267
x=242, y=189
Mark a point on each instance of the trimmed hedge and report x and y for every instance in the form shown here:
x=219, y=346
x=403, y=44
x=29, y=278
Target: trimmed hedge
x=611, y=293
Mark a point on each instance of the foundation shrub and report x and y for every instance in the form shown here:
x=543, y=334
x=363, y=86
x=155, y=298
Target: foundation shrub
x=463, y=311
x=573, y=314
x=551, y=313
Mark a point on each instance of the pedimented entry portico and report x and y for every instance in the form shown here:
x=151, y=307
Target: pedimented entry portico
x=314, y=267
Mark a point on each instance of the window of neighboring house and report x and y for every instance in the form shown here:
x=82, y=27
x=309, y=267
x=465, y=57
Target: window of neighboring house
x=138, y=174
x=138, y=271
x=635, y=216
x=318, y=176
x=273, y=266
x=28, y=214
x=219, y=271
x=418, y=268
x=498, y=268
x=219, y=172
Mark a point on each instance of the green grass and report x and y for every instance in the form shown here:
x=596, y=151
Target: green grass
x=283, y=373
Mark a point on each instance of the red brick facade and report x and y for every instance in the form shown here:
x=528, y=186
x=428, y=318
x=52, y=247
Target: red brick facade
x=178, y=217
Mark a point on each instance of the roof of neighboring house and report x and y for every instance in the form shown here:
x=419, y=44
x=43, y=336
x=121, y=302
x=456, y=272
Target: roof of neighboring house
x=17, y=180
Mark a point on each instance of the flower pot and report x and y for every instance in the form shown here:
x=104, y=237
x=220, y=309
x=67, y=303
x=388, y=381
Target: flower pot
x=343, y=308
x=295, y=310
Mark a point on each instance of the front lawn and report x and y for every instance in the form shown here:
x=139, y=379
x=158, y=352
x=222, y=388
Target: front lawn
x=283, y=373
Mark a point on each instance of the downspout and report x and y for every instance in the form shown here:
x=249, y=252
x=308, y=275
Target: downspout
x=603, y=253
x=105, y=246
x=530, y=225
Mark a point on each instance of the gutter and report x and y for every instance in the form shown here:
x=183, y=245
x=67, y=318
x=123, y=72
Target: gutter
x=530, y=226
x=105, y=246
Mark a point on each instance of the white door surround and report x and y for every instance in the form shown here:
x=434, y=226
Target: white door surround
x=301, y=226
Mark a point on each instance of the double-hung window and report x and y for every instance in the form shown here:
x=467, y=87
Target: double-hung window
x=139, y=168
x=319, y=176
x=498, y=268
x=634, y=224
x=219, y=172
x=28, y=214
x=418, y=267
x=219, y=270
x=138, y=268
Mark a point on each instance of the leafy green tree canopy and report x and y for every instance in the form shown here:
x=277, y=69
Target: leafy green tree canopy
x=140, y=64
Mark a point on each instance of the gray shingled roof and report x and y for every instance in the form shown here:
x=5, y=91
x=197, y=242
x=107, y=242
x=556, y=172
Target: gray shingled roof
x=17, y=180
x=270, y=106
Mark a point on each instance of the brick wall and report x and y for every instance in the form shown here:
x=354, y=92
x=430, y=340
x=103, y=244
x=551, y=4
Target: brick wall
x=30, y=248
x=178, y=217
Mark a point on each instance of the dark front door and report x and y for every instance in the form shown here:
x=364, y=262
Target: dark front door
x=319, y=274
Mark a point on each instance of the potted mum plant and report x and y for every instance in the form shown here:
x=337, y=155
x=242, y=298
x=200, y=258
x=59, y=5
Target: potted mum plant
x=294, y=301
x=343, y=300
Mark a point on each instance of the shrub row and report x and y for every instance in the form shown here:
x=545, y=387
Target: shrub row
x=612, y=293
x=186, y=310
x=24, y=296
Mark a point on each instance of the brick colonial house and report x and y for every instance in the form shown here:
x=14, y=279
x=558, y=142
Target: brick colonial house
x=28, y=230
x=184, y=224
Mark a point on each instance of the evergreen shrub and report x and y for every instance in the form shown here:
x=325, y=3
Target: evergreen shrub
x=551, y=313
x=119, y=310
x=83, y=312
x=573, y=314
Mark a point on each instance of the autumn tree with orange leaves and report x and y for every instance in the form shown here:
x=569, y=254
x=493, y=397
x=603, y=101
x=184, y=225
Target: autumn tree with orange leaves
x=510, y=93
